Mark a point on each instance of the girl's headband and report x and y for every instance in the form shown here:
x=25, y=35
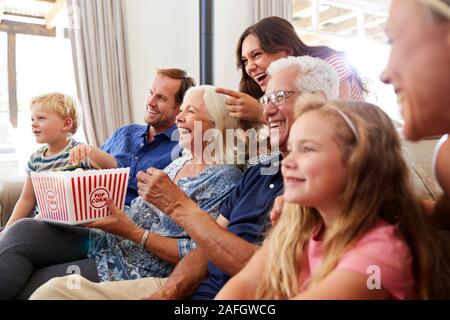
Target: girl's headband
x=439, y=6
x=347, y=120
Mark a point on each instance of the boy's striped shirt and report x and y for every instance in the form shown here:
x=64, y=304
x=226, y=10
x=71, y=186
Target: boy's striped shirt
x=57, y=162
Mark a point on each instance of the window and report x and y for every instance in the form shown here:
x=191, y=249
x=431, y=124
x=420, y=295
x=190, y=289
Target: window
x=43, y=64
x=35, y=58
x=357, y=28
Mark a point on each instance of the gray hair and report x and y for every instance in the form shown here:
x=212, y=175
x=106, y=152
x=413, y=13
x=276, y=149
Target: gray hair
x=217, y=112
x=439, y=9
x=315, y=75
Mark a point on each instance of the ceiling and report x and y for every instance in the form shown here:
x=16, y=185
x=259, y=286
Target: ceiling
x=32, y=11
x=318, y=20
x=315, y=20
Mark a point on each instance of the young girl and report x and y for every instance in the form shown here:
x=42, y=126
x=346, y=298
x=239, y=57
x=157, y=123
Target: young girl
x=54, y=120
x=353, y=228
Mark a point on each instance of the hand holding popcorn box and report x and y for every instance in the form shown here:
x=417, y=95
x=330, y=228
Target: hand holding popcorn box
x=77, y=197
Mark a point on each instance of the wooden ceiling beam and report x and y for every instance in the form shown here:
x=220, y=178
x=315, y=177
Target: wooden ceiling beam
x=2, y=9
x=311, y=39
x=326, y=16
x=343, y=16
x=26, y=28
x=344, y=27
x=50, y=19
x=379, y=7
x=374, y=21
x=300, y=5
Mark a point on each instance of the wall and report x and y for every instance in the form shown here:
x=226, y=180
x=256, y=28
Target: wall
x=165, y=33
x=160, y=34
x=232, y=17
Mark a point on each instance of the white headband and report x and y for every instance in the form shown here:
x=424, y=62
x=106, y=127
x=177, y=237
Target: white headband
x=347, y=120
x=438, y=6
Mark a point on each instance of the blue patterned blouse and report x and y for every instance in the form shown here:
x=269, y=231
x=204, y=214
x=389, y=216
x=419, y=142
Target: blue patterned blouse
x=121, y=259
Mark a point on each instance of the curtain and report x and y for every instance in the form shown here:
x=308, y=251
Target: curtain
x=98, y=45
x=266, y=8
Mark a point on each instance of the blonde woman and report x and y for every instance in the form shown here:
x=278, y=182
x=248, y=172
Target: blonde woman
x=353, y=228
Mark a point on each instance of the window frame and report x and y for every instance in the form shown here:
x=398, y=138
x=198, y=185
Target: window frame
x=12, y=28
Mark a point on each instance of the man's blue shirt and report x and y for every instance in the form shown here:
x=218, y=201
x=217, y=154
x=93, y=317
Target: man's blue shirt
x=247, y=209
x=129, y=146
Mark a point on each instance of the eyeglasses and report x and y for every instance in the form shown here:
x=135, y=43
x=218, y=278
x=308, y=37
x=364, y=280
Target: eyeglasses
x=277, y=98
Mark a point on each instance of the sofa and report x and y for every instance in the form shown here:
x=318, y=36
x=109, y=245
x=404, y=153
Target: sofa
x=418, y=155
x=10, y=189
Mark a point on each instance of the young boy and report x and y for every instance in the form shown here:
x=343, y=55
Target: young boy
x=54, y=120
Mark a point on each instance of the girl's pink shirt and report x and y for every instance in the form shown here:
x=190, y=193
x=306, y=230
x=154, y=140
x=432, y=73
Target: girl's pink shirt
x=379, y=252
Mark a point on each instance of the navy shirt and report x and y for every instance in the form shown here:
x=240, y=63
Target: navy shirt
x=247, y=209
x=129, y=146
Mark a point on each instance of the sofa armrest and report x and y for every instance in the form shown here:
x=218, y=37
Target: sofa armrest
x=10, y=190
x=419, y=156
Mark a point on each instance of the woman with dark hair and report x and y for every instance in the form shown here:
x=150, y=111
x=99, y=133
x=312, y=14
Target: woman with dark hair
x=268, y=40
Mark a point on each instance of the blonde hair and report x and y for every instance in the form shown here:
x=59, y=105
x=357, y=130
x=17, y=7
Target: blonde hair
x=216, y=110
x=63, y=105
x=378, y=187
x=440, y=9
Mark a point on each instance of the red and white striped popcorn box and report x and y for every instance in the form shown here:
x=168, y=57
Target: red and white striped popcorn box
x=77, y=197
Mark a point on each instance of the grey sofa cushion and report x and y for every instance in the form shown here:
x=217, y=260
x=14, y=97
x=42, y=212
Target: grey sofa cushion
x=419, y=157
x=10, y=190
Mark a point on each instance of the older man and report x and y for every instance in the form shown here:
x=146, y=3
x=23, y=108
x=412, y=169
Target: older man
x=224, y=245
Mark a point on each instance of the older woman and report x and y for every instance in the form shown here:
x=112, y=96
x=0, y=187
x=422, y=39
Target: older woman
x=144, y=242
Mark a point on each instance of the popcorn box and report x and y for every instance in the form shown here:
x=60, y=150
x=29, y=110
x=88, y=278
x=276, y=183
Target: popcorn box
x=77, y=197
